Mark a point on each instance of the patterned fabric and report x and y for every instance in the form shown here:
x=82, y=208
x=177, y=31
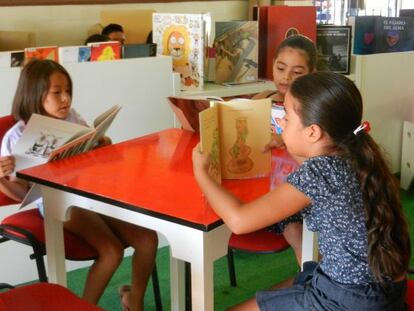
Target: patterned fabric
x=338, y=214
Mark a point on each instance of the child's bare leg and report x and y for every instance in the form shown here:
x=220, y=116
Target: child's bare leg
x=293, y=235
x=94, y=230
x=145, y=243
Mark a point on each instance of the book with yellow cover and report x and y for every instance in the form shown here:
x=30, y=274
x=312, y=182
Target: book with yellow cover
x=234, y=133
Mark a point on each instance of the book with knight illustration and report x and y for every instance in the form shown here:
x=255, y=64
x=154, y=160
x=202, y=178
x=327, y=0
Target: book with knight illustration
x=234, y=133
x=46, y=139
x=182, y=36
x=237, y=48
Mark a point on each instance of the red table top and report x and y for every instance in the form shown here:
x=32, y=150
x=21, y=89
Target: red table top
x=151, y=175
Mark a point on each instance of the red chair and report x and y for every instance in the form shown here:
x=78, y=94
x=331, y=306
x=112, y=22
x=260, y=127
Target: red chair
x=26, y=227
x=42, y=297
x=262, y=241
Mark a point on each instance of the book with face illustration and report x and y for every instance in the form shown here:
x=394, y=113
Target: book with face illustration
x=234, y=134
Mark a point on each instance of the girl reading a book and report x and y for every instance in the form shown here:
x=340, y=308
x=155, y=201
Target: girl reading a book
x=45, y=87
x=295, y=57
x=344, y=190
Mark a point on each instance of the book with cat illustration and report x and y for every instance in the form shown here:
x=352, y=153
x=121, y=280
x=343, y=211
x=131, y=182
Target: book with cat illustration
x=234, y=134
x=46, y=139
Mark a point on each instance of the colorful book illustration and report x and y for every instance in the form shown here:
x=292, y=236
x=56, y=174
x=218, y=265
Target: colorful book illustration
x=46, y=52
x=277, y=23
x=103, y=51
x=236, y=46
x=278, y=113
x=74, y=54
x=394, y=34
x=334, y=47
x=46, y=139
x=182, y=36
x=139, y=50
x=234, y=134
x=376, y=34
x=12, y=59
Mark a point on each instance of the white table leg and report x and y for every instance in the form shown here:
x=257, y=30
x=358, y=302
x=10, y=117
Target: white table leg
x=310, y=251
x=202, y=285
x=55, y=248
x=177, y=282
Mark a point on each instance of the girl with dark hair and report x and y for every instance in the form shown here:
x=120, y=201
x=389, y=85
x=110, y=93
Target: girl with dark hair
x=344, y=190
x=45, y=88
x=295, y=57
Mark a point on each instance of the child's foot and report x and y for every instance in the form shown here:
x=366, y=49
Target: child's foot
x=124, y=292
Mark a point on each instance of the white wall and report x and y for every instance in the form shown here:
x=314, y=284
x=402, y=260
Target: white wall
x=68, y=24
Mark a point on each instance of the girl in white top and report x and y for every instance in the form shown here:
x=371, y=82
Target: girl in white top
x=45, y=87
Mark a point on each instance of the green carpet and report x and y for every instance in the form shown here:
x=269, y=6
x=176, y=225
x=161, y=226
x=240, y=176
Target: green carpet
x=254, y=272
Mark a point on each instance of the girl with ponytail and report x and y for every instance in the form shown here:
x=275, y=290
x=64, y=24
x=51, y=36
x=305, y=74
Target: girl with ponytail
x=344, y=190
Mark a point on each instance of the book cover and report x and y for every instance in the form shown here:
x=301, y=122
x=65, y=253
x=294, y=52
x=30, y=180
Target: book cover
x=237, y=131
x=139, y=50
x=12, y=59
x=281, y=23
x=333, y=44
x=181, y=36
x=236, y=46
x=74, y=54
x=394, y=34
x=45, y=139
x=364, y=35
x=46, y=52
x=103, y=51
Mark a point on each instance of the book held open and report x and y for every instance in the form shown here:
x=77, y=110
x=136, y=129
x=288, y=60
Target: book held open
x=234, y=133
x=45, y=139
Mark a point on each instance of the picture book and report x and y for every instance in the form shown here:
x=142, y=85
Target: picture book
x=103, y=51
x=12, y=59
x=46, y=139
x=139, y=50
x=277, y=23
x=46, y=52
x=394, y=34
x=237, y=49
x=234, y=133
x=333, y=44
x=364, y=34
x=376, y=34
x=74, y=54
x=182, y=36
x=186, y=109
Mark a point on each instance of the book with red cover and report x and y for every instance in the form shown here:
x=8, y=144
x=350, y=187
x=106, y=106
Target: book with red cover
x=276, y=23
x=45, y=52
x=102, y=51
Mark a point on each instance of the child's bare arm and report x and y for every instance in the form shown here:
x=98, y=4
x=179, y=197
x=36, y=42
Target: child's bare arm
x=240, y=217
x=12, y=187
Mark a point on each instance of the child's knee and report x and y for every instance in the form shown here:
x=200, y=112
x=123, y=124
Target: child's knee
x=112, y=252
x=147, y=240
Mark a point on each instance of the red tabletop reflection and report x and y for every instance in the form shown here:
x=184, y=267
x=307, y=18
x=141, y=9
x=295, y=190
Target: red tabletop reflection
x=151, y=174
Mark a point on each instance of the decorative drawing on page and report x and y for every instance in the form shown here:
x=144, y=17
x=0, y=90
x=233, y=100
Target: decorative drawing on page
x=215, y=168
x=240, y=162
x=44, y=145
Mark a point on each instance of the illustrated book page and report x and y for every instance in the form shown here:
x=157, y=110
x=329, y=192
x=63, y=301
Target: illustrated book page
x=243, y=131
x=41, y=136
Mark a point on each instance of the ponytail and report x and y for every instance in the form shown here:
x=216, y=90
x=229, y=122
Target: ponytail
x=334, y=103
x=389, y=246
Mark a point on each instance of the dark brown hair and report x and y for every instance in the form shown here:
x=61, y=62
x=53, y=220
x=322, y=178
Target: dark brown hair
x=32, y=87
x=334, y=103
x=302, y=43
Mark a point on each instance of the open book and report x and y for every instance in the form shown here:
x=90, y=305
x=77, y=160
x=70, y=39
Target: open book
x=234, y=133
x=45, y=138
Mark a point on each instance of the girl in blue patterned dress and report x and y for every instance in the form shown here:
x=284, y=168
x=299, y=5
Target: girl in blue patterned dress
x=344, y=190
